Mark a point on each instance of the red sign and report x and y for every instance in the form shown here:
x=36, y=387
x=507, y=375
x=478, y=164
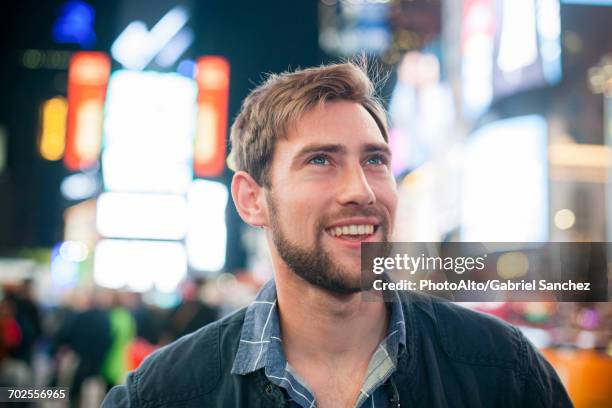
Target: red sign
x=88, y=76
x=210, y=141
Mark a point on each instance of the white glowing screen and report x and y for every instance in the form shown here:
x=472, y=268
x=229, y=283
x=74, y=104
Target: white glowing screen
x=149, y=128
x=149, y=216
x=504, y=188
x=207, y=232
x=518, y=43
x=140, y=265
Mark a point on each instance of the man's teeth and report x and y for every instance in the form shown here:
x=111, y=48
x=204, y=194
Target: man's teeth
x=352, y=230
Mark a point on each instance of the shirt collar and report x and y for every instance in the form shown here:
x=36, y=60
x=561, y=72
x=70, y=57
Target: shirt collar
x=260, y=340
x=259, y=328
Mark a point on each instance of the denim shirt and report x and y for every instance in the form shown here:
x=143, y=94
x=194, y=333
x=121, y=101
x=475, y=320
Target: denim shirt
x=261, y=348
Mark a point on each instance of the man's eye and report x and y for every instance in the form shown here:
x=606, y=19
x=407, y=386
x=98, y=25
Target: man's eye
x=377, y=160
x=319, y=159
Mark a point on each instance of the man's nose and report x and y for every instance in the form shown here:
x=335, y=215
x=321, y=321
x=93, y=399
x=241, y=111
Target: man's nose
x=355, y=188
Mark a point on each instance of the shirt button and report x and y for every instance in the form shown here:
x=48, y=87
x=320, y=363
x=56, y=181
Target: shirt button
x=269, y=388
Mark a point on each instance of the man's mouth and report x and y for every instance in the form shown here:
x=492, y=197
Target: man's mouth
x=353, y=232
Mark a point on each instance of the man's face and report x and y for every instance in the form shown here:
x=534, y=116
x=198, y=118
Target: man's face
x=331, y=189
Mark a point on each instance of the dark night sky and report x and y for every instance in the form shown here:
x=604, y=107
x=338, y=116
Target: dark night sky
x=256, y=37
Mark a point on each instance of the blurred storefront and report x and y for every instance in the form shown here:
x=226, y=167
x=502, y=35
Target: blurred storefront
x=528, y=160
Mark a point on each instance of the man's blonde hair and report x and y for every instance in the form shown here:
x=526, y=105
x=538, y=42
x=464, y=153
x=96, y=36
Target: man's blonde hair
x=282, y=99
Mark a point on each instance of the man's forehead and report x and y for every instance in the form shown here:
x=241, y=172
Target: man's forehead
x=343, y=123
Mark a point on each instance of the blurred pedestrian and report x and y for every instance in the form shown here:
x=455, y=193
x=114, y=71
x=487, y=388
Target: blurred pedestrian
x=10, y=333
x=27, y=314
x=13, y=372
x=191, y=313
x=87, y=333
x=123, y=332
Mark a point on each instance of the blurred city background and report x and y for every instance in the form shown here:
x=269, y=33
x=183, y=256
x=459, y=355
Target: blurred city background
x=117, y=232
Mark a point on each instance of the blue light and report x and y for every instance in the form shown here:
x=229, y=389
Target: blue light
x=75, y=24
x=186, y=68
x=64, y=272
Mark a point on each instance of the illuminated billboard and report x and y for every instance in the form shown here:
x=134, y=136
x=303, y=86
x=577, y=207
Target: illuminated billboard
x=87, y=79
x=507, y=46
x=52, y=141
x=149, y=128
x=210, y=142
x=140, y=265
x=527, y=47
x=156, y=221
x=504, y=194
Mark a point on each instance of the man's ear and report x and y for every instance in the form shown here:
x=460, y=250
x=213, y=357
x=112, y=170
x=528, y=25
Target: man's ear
x=249, y=199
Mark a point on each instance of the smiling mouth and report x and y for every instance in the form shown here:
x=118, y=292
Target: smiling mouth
x=353, y=232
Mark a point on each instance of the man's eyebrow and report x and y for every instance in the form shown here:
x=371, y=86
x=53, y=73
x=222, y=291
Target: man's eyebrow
x=376, y=148
x=320, y=147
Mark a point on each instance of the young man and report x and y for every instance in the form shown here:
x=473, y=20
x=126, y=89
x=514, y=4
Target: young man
x=313, y=169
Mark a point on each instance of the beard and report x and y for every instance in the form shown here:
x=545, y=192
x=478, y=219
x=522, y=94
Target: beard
x=316, y=265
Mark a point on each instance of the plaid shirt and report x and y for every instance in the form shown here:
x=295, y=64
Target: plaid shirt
x=260, y=347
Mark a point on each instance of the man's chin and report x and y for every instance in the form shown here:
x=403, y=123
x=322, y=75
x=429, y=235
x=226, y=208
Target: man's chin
x=343, y=284
x=341, y=289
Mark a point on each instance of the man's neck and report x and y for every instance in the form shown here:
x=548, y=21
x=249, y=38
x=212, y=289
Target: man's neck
x=320, y=326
